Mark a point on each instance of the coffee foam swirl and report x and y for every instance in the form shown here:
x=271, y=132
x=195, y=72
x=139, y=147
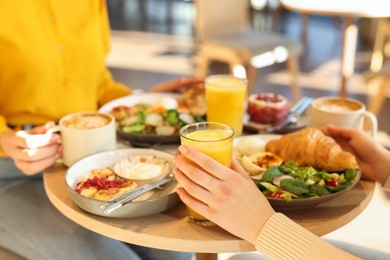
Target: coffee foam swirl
x=339, y=106
x=88, y=122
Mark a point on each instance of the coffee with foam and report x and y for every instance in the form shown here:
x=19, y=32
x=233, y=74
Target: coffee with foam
x=341, y=111
x=86, y=133
x=88, y=121
x=339, y=105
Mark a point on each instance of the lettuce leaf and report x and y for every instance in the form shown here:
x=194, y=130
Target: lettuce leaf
x=295, y=186
x=271, y=173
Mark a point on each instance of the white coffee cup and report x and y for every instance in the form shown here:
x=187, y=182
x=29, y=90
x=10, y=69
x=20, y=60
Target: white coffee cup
x=342, y=111
x=85, y=133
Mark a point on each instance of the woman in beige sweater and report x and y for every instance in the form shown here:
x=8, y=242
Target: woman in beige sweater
x=235, y=204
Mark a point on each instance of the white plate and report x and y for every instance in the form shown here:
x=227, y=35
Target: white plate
x=131, y=100
x=149, y=203
x=264, y=137
x=137, y=139
x=281, y=204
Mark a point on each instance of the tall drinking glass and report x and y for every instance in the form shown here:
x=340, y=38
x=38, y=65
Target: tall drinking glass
x=225, y=97
x=213, y=139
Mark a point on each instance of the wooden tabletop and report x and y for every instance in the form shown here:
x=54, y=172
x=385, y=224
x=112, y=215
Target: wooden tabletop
x=171, y=230
x=356, y=8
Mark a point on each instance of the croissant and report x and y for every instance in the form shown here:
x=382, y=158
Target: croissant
x=311, y=147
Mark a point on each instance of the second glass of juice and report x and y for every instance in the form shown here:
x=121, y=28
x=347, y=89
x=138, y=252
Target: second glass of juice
x=213, y=139
x=225, y=97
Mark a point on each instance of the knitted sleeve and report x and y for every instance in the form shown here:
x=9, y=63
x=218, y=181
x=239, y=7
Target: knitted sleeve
x=282, y=238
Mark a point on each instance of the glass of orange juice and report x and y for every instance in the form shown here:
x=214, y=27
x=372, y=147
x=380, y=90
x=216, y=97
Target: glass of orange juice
x=213, y=139
x=225, y=97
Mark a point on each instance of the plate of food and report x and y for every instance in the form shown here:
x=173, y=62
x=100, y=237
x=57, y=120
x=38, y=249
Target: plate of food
x=297, y=170
x=102, y=176
x=153, y=118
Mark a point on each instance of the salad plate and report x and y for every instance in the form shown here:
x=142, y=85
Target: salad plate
x=257, y=143
x=139, y=127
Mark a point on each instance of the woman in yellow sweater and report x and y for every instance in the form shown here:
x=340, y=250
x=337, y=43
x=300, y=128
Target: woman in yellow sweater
x=52, y=63
x=229, y=198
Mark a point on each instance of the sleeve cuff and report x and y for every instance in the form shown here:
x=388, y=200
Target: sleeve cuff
x=280, y=230
x=282, y=238
x=386, y=185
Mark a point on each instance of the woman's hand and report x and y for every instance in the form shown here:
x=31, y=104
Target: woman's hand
x=177, y=85
x=372, y=157
x=32, y=151
x=227, y=197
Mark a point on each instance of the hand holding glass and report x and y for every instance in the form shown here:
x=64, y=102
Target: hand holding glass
x=213, y=139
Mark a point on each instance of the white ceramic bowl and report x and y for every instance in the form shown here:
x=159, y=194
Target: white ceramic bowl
x=149, y=203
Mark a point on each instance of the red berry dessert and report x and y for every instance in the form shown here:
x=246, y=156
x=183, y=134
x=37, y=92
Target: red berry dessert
x=267, y=108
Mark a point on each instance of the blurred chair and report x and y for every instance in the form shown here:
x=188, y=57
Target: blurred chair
x=381, y=44
x=223, y=31
x=376, y=101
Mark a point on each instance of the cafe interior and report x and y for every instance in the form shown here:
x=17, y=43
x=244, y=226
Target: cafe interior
x=148, y=34
x=285, y=48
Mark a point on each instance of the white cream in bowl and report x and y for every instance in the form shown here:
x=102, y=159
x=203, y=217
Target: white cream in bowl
x=141, y=167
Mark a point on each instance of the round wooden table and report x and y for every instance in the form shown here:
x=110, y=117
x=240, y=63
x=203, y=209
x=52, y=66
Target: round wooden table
x=172, y=231
x=349, y=9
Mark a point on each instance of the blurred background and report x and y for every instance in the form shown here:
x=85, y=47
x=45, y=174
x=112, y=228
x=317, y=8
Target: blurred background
x=157, y=40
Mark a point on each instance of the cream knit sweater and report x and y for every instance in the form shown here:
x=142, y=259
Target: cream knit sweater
x=282, y=238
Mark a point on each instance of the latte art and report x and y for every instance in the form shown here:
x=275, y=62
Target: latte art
x=339, y=105
x=88, y=121
x=342, y=111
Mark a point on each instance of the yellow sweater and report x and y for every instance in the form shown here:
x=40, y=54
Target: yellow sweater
x=52, y=60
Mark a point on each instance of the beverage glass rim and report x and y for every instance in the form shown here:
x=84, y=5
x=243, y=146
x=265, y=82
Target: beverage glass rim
x=226, y=127
x=208, y=78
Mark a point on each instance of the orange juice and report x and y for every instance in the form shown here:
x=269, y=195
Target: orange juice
x=214, y=143
x=213, y=139
x=225, y=96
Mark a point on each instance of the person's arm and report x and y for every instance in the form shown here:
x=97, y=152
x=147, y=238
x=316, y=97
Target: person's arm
x=372, y=157
x=229, y=198
x=282, y=238
x=176, y=85
x=3, y=128
x=109, y=89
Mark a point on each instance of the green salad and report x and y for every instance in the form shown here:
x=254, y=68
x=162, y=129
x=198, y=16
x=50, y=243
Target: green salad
x=152, y=119
x=292, y=181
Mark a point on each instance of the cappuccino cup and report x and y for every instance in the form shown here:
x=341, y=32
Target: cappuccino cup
x=85, y=133
x=342, y=111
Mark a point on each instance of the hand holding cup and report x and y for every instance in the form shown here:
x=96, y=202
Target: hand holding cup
x=344, y=112
x=34, y=150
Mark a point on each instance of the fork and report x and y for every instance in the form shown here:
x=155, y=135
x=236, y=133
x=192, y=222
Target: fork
x=119, y=201
x=290, y=124
x=296, y=110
